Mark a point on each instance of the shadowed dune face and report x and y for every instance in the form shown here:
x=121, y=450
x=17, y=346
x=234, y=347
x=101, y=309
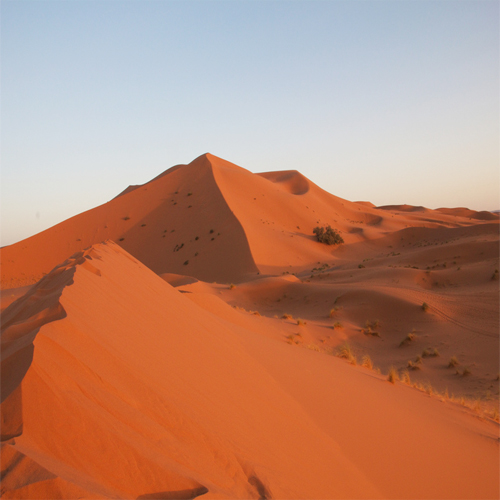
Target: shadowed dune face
x=291, y=181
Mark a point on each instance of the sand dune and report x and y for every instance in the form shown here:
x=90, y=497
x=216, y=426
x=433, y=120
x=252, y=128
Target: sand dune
x=169, y=397
x=215, y=221
x=195, y=355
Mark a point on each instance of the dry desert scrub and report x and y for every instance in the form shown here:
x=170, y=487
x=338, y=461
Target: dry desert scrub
x=333, y=311
x=367, y=362
x=405, y=377
x=345, y=352
x=393, y=376
x=328, y=235
x=409, y=338
x=425, y=307
x=453, y=362
x=301, y=322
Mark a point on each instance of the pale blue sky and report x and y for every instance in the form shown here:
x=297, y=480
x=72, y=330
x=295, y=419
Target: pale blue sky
x=387, y=101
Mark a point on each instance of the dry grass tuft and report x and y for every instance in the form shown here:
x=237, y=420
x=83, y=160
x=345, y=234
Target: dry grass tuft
x=232, y=286
x=393, y=376
x=425, y=307
x=466, y=372
x=337, y=324
x=345, y=352
x=301, y=322
x=333, y=311
x=405, y=377
x=313, y=347
x=453, y=362
x=413, y=365
x=367, y=362
x=409, y=338
x=287, y=316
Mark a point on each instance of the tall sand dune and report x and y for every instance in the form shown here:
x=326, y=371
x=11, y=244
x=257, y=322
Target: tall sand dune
x=214, y=221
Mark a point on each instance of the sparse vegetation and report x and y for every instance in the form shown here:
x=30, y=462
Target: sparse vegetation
x=361, y=266
x=287, y=316
x=367, y=362
x=337, y=324
x=392, y=376
x=333, y=311
x=425, y=307
x=466, y=372
x=405, y=377
x=126, y=217
x=409, y=338
x=453, y=362
x=345, y=352
x=186, y=263
x=231, y=286
x=414, y=365
x=301, y=322
x=328, y=235
x=370, y=328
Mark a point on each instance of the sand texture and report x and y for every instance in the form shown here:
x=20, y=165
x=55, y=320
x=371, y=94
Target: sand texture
x=192, y=338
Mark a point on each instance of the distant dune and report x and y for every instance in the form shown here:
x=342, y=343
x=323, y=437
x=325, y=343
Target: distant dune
x=192, y=338
x=218, y=222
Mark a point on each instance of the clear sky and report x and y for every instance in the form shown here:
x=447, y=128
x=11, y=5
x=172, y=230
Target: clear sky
x=387, y=101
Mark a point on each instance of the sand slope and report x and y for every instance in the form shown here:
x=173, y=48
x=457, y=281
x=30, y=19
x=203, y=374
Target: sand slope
x=157, y=397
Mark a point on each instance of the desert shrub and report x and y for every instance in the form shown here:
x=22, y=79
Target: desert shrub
x=231, y=286
x=413, y=365
x=466, y=372
x=186, y=262
x=287, y=316
x=301, y=322
x=361, y=266
x=337, y=324
x=425, y=307
x=328, y=235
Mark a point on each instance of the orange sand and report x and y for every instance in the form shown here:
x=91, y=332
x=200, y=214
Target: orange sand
x=131, y=369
